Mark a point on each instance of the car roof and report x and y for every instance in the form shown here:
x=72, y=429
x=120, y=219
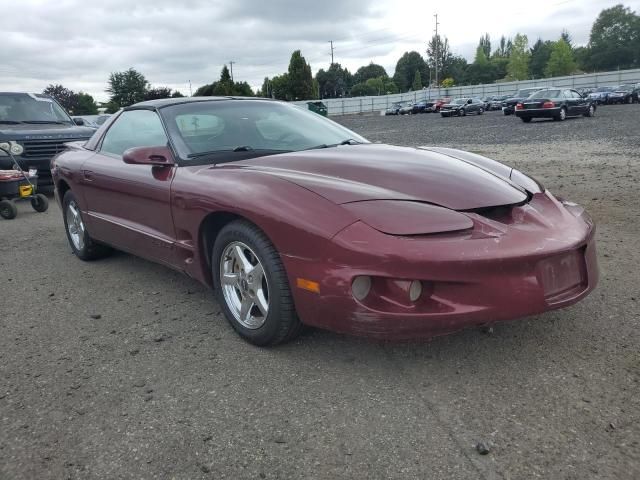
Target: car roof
x=165, y=102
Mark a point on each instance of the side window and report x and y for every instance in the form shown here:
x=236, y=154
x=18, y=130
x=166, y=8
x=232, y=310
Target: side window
x=567, y=94
x=134, y=128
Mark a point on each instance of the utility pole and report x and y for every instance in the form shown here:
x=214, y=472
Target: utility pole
x=190, y=92
x=437, y=41
x=331, y=42
x=231, y=62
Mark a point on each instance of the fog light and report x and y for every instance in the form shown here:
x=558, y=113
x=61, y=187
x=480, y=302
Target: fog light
x=415, y=290
x=16, y=149
x=4, y=147
x=361, y=286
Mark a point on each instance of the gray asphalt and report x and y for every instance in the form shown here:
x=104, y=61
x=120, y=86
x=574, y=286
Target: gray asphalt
x=159, y=386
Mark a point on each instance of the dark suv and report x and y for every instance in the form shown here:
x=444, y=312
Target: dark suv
x=37, y=127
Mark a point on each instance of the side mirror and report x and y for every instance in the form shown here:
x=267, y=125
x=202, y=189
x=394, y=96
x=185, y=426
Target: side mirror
x=159, y=156
x=470, y=101
x=79, y=121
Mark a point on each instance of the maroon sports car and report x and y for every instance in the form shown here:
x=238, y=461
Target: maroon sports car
x=293, y=219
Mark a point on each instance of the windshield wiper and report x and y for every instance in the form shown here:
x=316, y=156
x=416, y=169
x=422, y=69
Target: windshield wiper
x=348, y=141
x=43, y=122
x=241, y=148
x=10, y=122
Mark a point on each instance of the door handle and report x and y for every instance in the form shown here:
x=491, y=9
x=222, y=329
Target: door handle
x=87, y=175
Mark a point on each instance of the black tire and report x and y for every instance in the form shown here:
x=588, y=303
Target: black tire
x=8, y=209
x=526, y=119
x=462, y=112
x=281, y=323
x=562, y=115
x=39, y=202
x=591, y=111
x=89, y=249
x=443, y=115
x=506, y=113
x=630, y=99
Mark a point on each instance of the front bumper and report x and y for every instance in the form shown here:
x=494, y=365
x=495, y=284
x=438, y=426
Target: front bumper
x=539, y=259
x=448, y=113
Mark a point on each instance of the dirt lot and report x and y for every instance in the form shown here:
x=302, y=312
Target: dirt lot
x=124, y=369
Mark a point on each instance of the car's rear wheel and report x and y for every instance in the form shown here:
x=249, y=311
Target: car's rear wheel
x=252, y=286
x=82, y=245
x=526, y=119
x=8, y=209
x=562, y=115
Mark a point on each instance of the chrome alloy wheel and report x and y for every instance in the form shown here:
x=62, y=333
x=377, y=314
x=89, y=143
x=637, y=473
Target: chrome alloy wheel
x=244, y=285
x=75, y=226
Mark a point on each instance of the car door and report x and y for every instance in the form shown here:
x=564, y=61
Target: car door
x=581, y=103
x=128, y=206
x=570, y=102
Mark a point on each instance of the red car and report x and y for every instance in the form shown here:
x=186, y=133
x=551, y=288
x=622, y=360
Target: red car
x=292, y=219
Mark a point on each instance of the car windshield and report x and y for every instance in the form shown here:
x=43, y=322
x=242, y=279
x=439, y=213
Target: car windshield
x=603, y=89
x=624, y=88
x=460, y=101
x=526, y=92
x=546, y=94
x=30, y=108
x=199, y=129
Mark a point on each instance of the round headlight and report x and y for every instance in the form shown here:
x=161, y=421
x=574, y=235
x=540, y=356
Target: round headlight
x=16, y=148
x=4, y=146
x=360, y=287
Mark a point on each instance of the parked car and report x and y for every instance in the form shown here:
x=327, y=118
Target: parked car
x=585, y=91
x=394, y=109
x=318, y=107
x=462, y=106
x=421, y=106
x=601, y=95
x=509, y=104
x=37, y=128
x=291, y=219
x=86, y=121
x=624, y=94
x=487, y=103
x=406, y=108
x=555, y=103
x=496, y=102
x=437, y=104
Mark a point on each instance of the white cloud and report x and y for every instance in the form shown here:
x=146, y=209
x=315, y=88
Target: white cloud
x=79, y=43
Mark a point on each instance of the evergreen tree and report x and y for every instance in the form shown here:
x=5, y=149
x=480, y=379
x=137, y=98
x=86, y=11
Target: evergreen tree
x=300, y=78
x=615, y=39
x=540, y=53
x=126, y=88
x=417, y=81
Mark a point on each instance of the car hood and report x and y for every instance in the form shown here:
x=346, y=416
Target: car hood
x=355, y=173
x=23, y=131
x=451, y=105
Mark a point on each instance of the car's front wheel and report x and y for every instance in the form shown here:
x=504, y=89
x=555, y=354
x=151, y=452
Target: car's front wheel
x=591, y=111
x=82, y=245
x=252, y=286
x=526, y=119
x=562, y=115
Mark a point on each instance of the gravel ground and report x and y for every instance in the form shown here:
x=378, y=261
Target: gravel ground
x=124, y=369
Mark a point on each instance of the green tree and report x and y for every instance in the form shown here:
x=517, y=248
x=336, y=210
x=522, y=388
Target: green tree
x=280, y=87
x=225, y=87
x=456, y=69
x=406, y=68
x=518, y=66
x=300, y=78
x=615, y=39
x=485, y=45
x=561, y=60
x=157, y=93
x=65, y=97
x=448, y=82
x=481, y=70
x=85, y=105
x=540, y=53
x=369, y=71
x=265, y=91
x=363, y=89
x=417, y=81
x=444, y=58
x=335, y=82
x=126, y=88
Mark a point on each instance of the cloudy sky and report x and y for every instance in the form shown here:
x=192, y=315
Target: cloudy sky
x=78, y=43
